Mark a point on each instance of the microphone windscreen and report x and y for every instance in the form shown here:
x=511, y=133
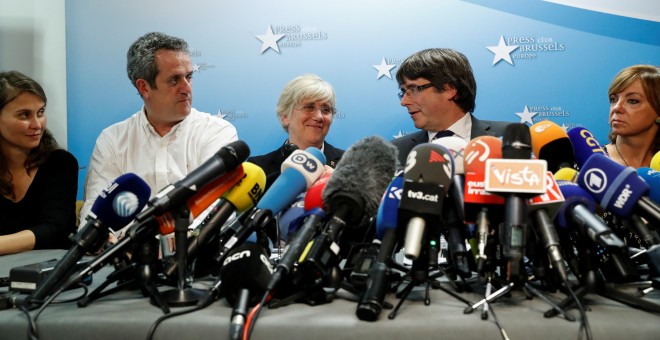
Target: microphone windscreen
x=655, y=162
x=566, y=174
x=234, y=153
x=430, y=163
x=616, y=187
x=309, y=163
x=246, y=266
x=388, y=209
x=212, y=191
x=314, y=196
x=246, y=193
x=364, y=171
x=291, y=214
x=584, y=145
x=118, y=203
x=299, y=169
x=516, y=142
x=480, y=149
x=573, y=194
x=652, y=178
x=456, y=146
x=551, y=143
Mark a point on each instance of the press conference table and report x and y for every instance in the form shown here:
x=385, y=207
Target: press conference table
x=128, y=315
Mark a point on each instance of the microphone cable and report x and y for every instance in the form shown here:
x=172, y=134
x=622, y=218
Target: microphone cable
x=251, y=319
x=32, y=320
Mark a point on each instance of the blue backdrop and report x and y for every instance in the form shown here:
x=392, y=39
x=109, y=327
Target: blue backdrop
x=533, y=60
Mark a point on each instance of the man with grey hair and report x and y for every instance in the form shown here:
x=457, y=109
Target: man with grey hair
x=438, y=90
x=167, y=138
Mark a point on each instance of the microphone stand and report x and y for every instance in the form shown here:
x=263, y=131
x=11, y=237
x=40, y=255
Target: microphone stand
x=591, y=282
x=419, y=274
x=183, y=295
x=141, y=272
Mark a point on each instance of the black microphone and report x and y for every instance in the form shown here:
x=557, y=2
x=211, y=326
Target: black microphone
x=515, y=179
x=115, y=206
x=427, y=178
x=371, y=301
x=239, y=198
x=351, y=197
x=551, y=142
x=244, y=276
x=228, y=158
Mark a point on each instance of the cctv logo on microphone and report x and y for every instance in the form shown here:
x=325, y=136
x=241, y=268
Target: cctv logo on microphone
x=302, y=159
x=516, y=175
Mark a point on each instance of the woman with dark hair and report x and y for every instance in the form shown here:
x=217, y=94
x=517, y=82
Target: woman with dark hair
x=634, y=96
x=38, y=180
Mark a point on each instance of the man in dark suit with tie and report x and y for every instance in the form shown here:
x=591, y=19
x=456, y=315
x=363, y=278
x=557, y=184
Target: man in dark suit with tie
x=439, y=90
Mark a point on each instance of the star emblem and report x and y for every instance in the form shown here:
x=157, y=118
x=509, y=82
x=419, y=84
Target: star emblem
x=526, y=116
x=221, y=114
x=384, y=69
x=564, y=126
x=502, y=51
x=195, y=68
x=398, y=135
x=269, y=40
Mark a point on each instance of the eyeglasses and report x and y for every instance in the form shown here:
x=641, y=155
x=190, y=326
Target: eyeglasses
x=412, y=91
x=311, y=108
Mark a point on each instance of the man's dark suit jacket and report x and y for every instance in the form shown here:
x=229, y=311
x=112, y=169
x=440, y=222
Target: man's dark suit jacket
x=272, y=162
x=479, y=128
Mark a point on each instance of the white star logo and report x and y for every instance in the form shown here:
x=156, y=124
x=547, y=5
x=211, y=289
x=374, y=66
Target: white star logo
x=564, y=126
x=269, y=40
x=526, y=116
x=384, y=69
x=195, y=68
x=398, y=135
x=221, y=114
x=502, y=51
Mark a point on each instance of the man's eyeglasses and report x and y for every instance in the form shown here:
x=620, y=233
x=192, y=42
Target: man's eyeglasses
x=311, y=108
x=412, y=91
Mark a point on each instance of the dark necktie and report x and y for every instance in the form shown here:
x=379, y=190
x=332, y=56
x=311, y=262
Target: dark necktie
x=441, y=134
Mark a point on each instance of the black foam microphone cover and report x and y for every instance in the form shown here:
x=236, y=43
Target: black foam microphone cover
x=246, y=266
x=517, y=142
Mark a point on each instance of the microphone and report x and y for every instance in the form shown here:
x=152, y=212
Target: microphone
x=543, y=209
x=578, y=209
x=314, y=197
x=243, y=279
x=566, y=174
x=516, y=176
x=201, y=201
x=299, y=171
x=655, y=162
x=115, y=206
x=456, y=231
x=427, y=177
x=481, y=207
x=371, y=301
x=618, y=188
x=351, y=197
x=289, y=219
x=652, y=178
x=242, y=196
x=228, y=158
x=551, y=142
x=584, y=145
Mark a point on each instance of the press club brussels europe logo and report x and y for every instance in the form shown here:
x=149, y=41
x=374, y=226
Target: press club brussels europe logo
x=524, y=47
x=288, y=36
